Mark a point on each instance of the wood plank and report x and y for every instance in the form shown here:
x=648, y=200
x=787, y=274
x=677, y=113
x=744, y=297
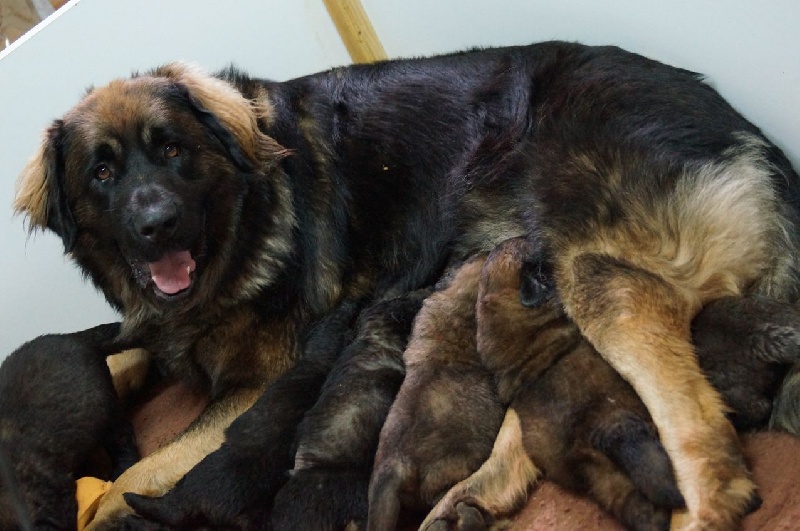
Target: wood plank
x=356, y=30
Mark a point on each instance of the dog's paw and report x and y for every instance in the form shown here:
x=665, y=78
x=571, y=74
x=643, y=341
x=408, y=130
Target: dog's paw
x=464, y=516
x=720, y=509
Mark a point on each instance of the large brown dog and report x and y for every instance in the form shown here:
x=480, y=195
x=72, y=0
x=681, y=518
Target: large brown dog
x=229, y=213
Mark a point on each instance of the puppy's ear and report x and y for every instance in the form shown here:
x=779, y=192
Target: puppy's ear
x=537, y=285
x=227, y=114
x=41, y=192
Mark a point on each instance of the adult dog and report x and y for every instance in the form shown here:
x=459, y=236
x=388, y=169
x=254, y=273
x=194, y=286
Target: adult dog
x=228, y=213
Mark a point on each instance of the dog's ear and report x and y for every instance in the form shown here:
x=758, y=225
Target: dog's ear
x=227, y=114
x=41, y=194
x=537, y=284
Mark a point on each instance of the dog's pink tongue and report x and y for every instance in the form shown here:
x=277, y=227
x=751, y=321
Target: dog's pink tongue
x=171, y=273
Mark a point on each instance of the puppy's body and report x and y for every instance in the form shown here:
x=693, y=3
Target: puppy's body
x=574, y=419
x=337, y=439
x=569, y=414
x=57, y=406
x=233, y=487
x=232, y=212
x=441, y=426
x=745, y=346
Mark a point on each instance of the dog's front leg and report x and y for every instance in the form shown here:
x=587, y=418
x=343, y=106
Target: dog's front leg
x=640, y=323
x=158, y=472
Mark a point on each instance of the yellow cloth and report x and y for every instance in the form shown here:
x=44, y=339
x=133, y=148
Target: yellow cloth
x=89, y=493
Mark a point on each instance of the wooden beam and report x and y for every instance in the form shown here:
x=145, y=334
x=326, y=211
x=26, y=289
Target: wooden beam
x=356, y=30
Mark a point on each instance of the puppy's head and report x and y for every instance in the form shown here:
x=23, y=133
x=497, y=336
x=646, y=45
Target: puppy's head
x=130, y=177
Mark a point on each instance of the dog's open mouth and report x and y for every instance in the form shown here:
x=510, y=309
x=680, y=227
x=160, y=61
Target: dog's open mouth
x=171, y=276
x=172, y=273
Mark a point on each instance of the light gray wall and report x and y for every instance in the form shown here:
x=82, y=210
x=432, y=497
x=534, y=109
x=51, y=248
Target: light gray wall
x=748, y=49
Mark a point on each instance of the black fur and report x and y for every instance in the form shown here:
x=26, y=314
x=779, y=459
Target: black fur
x=57, y=406
x=233, y=487
x=745, y=346
x=337, y=439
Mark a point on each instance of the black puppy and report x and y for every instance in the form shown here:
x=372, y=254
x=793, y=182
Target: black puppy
x=57, y=405
x=337, y=439
x=233, y=487
x=745, y=347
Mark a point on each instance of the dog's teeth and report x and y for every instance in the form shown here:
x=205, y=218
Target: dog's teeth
x=188, y=270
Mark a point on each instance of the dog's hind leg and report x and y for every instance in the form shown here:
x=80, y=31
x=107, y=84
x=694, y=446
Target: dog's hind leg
x=496, y=489
x=640, y=323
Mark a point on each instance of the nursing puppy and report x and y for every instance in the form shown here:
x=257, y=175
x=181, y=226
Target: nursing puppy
x=745, y=346
x=573, y=419
x=441, y=426
x=234, y=486
x=338, y=437
x=57, y=406
x=232, y=212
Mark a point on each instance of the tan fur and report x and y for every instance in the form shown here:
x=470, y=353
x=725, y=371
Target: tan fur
x=32, y=189
x=162, y=469
x=239, y=114
x=634, y=289
x=128, y=371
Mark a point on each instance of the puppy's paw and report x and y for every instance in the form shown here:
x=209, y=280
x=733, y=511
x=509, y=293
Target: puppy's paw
x=463, y=516
x=470, y=518
x=154, y=509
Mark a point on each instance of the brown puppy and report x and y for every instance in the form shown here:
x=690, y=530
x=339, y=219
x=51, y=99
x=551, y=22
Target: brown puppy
x=232, y=212
x=441, y=426
x=573, y=418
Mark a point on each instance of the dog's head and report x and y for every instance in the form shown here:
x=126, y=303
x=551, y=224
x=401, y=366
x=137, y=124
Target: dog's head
x=133, y=175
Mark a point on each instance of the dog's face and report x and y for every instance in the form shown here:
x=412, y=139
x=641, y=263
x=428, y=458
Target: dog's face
x=143, y=180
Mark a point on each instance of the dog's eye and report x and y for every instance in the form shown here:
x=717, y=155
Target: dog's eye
x=171, y=150
x=102, y=172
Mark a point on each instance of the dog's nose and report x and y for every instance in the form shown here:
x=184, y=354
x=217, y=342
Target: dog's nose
x=156, y=214
x=157, y=222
